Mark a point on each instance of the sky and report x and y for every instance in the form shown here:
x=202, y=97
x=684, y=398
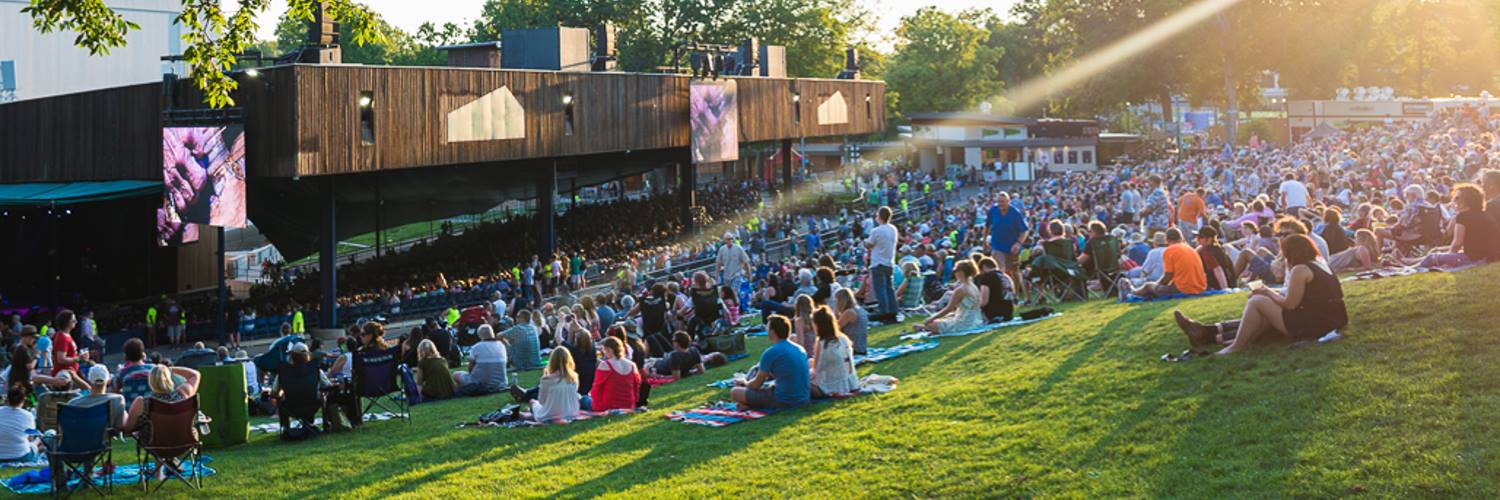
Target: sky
x=409, y=14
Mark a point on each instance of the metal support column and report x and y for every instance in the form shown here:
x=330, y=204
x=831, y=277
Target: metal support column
x=786, y=164
x=328, y=245
x=221, y=321
x=686, y=182
x=546, y=194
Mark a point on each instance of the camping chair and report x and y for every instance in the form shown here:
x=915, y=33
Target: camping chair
x=1104, y=263
x=1057, y=272
x=376, y=376
x=82, y=445
x=171, y=433
x=300, y=398
x=47, y=405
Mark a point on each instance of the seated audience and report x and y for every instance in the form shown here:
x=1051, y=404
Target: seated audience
x=17, y=444
x=99, y=394
x=617, y=383
x=432, y=372
x=1182, y=272
x=996, y=291
x=783, y=361
x=166, y=388
x=854, y=320
x=684, y=360
x=487, y=369
x=833, y=367
x=1312, y=307
x=1476, y=238
x=962, y=311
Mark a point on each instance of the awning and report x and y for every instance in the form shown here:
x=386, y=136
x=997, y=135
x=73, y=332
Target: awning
x=68, y=193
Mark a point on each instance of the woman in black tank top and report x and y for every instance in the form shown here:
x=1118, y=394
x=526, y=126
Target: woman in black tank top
x=1312, y=307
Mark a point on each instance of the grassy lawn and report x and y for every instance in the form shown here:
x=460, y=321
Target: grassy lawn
x=1073, y=407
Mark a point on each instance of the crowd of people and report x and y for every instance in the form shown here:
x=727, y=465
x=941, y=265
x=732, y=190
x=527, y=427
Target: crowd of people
x=1283, y=222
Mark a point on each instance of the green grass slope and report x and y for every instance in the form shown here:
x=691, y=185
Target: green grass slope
x=1078, y=406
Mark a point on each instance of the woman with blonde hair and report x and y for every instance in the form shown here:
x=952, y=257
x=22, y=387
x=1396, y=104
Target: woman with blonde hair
x=802, y=327
x=555, y=396
x=168, y=385
x=432, y=372
x=853, y=319
x=833, y=358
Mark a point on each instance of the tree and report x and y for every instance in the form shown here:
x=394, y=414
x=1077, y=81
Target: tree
x=942, y=62
x=213, y=37
x=393, y=47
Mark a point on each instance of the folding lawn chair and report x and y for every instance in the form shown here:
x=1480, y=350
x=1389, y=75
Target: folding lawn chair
x=171, y=434
x=1104, y=263
x=82, y=445
x=376, y=381
x=300, y=397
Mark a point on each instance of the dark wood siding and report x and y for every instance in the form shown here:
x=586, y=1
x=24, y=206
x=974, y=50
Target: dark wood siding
x=304, y=120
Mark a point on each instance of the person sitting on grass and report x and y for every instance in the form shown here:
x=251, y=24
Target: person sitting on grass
x=524, y=342
x=1476, y=238
x=962, y=311
x=165, y=388
x=784, y=362
x=617, y=384
x=432, y=372
x=909, y=293
x=833, y=366
x=486, y=374
x=556, y=394
x=852, y=319
x=16, y=444
x=1182, y=272
x=1312, y=307
x=996, y=291
x=1217, y=267
x=684, y=360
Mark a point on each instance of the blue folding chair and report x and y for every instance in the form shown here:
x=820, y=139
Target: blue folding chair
x=82, y=444
x=377, y=377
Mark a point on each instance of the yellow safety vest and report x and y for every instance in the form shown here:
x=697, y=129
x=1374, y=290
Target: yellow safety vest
x=948, y=185
x=903, y=204
x=151, y=315
x=297, y=325
x=452, y=316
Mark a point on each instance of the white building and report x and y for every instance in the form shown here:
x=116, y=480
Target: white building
x=51, y=64
x=1015, y=148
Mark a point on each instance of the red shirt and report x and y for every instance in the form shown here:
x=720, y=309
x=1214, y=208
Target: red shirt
x=614, y=390
x=63, y=346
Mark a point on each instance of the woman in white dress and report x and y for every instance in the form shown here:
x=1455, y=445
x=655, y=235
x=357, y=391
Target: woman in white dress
x=962, y=311
x=833, y=358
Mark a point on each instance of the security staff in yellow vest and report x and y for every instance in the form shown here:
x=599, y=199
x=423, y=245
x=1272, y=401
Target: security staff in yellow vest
x=298, y=325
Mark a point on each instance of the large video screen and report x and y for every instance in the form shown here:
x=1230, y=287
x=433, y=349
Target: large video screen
x=204, y=171
x=715, y=120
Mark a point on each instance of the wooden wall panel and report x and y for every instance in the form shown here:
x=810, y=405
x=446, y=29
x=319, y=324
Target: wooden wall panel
x=304, y=120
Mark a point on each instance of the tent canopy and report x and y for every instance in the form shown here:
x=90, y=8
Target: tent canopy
x=69, y=193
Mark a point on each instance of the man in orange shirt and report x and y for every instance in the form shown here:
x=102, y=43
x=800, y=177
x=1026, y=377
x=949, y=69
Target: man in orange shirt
x=1191, y=209
x=1182, y=272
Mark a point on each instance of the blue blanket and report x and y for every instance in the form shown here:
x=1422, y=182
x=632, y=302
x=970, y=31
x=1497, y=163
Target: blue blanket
x=975, y=331
x=1208, y=293
x=38, y=481
x=878, y=354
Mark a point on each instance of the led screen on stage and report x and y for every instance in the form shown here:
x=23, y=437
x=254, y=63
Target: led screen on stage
x=204, y=172
x=715, y=120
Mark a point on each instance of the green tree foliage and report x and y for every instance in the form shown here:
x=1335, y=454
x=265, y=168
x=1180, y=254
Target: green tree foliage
x=815, y=32
x=942, y=61
x=394, y=47
x=212, y=39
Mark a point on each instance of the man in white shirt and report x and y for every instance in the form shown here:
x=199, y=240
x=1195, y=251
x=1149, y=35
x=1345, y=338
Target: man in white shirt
x=1293, y=195
x=882, y=246
x=498, y=303
x=733, y=263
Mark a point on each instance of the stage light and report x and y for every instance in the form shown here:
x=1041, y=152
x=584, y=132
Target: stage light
x=252, y=73
x=365, y=101
x=796, y=97
x=567, y=99
x=68, y=211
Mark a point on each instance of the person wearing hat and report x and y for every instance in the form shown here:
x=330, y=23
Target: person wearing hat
x=1182, y=272
x=1151, y=269
x=98, y=378
x=1216, y=264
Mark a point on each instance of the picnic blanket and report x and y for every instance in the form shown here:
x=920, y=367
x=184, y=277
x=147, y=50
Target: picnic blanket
x=975, y=331
x=754, y=331
x=724, y=413
x=1391, y=272
x=878, y=354
x=527, y=421
x=274, y=427
x=39, y=481
x=1207, y=293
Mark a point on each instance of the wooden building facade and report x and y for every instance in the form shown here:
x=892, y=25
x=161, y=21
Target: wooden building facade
x=305, y=120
